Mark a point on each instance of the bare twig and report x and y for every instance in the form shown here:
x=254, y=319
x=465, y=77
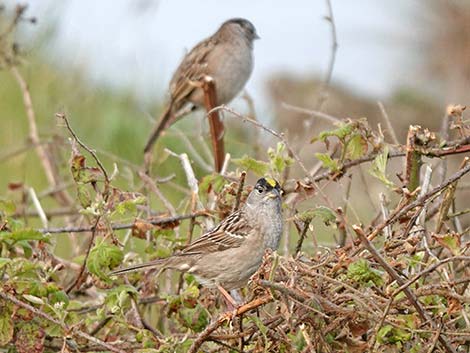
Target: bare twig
x=204, y=335
x=192, y=181
x=280, y=136
x=312, y=113
x=390, y=128
x=119, y=226
x=85, y=147
x=153, y=186
x=409, y=294
x=334, y=48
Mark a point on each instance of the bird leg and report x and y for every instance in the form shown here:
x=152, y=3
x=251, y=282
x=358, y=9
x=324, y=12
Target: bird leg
x=231, y=303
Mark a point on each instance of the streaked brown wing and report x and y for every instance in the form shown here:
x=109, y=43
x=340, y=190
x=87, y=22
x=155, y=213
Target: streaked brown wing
x=230, y=233
x=192, y=68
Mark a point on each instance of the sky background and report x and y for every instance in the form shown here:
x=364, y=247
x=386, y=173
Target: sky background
x=138, y=44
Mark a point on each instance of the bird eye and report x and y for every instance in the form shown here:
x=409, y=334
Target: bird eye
x=260, y=189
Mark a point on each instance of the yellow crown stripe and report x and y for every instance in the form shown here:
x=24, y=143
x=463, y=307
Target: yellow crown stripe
x=271, y=182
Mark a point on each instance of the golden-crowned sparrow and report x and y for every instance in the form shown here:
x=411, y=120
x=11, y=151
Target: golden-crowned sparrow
x=226, y=56
x=231, y=252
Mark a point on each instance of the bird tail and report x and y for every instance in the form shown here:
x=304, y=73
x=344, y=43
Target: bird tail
x=134, y=268
x=162, y=124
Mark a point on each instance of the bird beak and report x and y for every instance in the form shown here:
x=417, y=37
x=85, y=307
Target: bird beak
x=273, y=194
x=257, y=36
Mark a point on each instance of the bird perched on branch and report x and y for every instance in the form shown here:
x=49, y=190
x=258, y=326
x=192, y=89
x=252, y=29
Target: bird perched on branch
x=229, y=254
x=226, y=57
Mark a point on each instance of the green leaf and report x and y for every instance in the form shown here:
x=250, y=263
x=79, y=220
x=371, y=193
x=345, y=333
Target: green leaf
x=260, y=168
x=214, y=182
x=391, y=334
x=4, y=261
x=278, y=158
x=33, y=299
x=328, y=162
x=326, y=214
x=379, y=167
x=24, y=234
x=194, y=318
x=343, y=130
x=356, y=147
x=6, y=327
x=7, y=207
x=262, y=328
x=450, y=241
x=118, y=299
x=129, y=206
x=59, y=297
x=83, y=195
x=103, y=257
x=360, y=271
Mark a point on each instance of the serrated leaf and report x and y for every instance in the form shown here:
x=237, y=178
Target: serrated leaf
x=356, y=147
x=328, y=162
x=260, y=168
x=343, y=130
x=360, y=271
x=103, y=257
x=379, y=167
x=327, y=215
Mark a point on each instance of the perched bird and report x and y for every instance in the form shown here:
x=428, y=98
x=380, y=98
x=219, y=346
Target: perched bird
x=226, y=56
x=227, y=256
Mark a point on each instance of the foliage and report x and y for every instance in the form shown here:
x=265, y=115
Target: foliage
x=398, y=284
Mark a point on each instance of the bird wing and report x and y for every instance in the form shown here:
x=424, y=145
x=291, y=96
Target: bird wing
x=230, y=233
x=191, y=70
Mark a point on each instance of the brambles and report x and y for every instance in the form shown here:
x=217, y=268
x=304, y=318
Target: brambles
x=399, y=282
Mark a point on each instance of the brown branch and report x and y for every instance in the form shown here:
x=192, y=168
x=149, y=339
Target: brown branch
x=409, y=294
x=215, y=123
x=67, y=330
x=44, y=157
x=396, y=214
x=302, y=234
x=204, y=335
x=79, y=279
x=120, y=226
x=413, y=159
x=429, y=270
x=85, y=147
x=241, y=183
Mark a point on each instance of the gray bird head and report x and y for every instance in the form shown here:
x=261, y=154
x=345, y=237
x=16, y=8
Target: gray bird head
x=267, y=191
x=240, y=26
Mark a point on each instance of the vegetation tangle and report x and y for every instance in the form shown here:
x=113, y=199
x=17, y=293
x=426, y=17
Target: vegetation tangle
x=385, y=270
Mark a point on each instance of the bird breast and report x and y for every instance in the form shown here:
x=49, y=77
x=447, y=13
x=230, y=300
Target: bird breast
x=230, y=67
